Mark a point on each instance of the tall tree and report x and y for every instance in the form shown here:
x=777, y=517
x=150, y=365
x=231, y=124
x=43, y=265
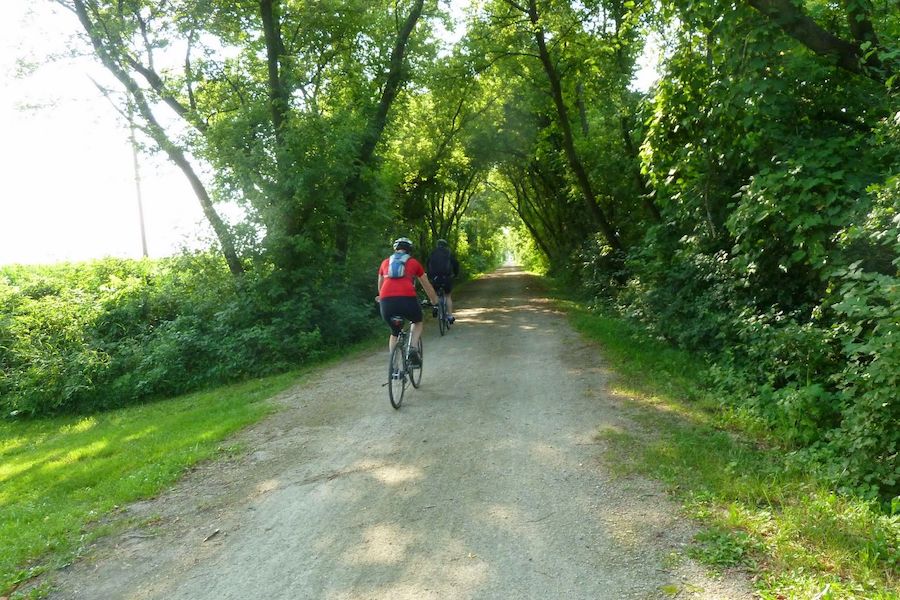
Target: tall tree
x=554, y=80
x=375, y=124
x=287, y=102
x=106, y=31
x=443, y=147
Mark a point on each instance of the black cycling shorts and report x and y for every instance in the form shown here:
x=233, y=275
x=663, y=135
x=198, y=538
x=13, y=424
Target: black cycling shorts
x=407, y=307
x=442, y=281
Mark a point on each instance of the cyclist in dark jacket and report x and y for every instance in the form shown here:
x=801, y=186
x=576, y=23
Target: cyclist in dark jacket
x=442, y=267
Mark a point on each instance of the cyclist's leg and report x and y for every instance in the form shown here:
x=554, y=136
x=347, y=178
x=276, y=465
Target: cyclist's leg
x=435, y=306
x=415, y=333
x=442, y=283
x=448, y=287
x=390, y=307
x=409, y=307
x=416, y=326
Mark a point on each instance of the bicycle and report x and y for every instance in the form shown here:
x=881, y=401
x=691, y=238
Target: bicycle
x=441, y=312
x=400, y=369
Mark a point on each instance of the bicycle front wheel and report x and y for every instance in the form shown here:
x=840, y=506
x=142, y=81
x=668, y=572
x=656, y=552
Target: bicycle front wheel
x=415, y=371
x=442, y=315
x=396, y=376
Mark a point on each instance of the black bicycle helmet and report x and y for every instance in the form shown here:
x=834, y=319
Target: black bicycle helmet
x=403, y=244
x=442, y=243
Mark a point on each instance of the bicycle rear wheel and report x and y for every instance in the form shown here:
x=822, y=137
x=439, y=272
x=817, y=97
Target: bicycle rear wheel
x=415, y=371
x=396, y=376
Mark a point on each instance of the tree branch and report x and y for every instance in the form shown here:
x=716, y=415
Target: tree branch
x=797, y=24
x=159, y=135
x=189, y=72
x=859, y=21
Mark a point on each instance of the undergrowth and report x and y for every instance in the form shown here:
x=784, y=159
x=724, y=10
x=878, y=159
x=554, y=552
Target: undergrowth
x=762, y=510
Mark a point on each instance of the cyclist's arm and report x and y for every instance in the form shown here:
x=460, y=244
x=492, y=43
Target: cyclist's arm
x=378, y=285
x=429, y=290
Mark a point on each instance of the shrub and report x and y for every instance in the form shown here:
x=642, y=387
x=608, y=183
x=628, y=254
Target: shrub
x=823, y=377
x=102, y=334
x=866, y=444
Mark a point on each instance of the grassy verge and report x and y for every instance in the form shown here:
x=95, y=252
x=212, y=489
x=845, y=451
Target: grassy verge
x=59, y=477
x=759, y=510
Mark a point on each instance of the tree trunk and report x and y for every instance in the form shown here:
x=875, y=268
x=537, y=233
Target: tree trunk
x=285, y=223
x=158, y=134
x=278, y=103
x=517, y=206
x=582, y=109
x=219, y=227
x=642, y=182
x=562, y=112
x=375, y=128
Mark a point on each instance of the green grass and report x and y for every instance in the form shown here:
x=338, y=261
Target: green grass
x=61, y=478
x=760, y=510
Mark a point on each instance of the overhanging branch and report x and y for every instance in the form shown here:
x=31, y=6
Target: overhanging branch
x=789, y=16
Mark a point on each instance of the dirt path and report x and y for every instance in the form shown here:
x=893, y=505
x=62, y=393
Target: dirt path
x=488, y=483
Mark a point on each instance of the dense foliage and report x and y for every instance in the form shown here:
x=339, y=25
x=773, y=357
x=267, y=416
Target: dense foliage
x=103, y=334
x=283, y=109
x=107, y=333
x=746, y=207
x=777, y=177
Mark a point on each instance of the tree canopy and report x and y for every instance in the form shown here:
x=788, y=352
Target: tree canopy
x=745, y=207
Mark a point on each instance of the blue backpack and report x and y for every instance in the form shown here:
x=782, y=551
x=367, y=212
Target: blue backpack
x=397, y=265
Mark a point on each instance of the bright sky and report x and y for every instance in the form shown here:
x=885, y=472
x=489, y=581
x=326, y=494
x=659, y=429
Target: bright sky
x=67, y=189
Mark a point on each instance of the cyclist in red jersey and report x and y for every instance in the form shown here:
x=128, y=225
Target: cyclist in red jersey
x=397, y=294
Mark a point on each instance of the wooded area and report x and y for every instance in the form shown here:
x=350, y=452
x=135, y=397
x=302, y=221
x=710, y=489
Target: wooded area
x=745, y=207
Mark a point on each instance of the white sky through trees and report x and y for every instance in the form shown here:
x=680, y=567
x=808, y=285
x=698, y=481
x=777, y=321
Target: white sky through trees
x=67, y=187
x=66, y=179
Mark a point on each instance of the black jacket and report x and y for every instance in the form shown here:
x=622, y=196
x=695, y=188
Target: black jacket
x=437, y=263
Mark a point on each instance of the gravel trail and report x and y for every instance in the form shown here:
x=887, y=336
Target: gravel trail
x=488, y=483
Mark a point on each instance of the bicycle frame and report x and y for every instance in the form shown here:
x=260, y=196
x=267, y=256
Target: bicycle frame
x=400, y=369
x=404, y=340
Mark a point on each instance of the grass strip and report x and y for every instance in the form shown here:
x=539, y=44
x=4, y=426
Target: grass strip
x=760, y=510
x=60, y=477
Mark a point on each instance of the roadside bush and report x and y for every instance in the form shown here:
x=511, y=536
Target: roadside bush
x=689, y=299
x=789, y=363
x=47, y=360
x=526, y=251
x=822, y=377
x=102, y=334
x=866, y=444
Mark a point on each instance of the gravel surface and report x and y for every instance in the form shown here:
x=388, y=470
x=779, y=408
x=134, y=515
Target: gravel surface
x=488, y=483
